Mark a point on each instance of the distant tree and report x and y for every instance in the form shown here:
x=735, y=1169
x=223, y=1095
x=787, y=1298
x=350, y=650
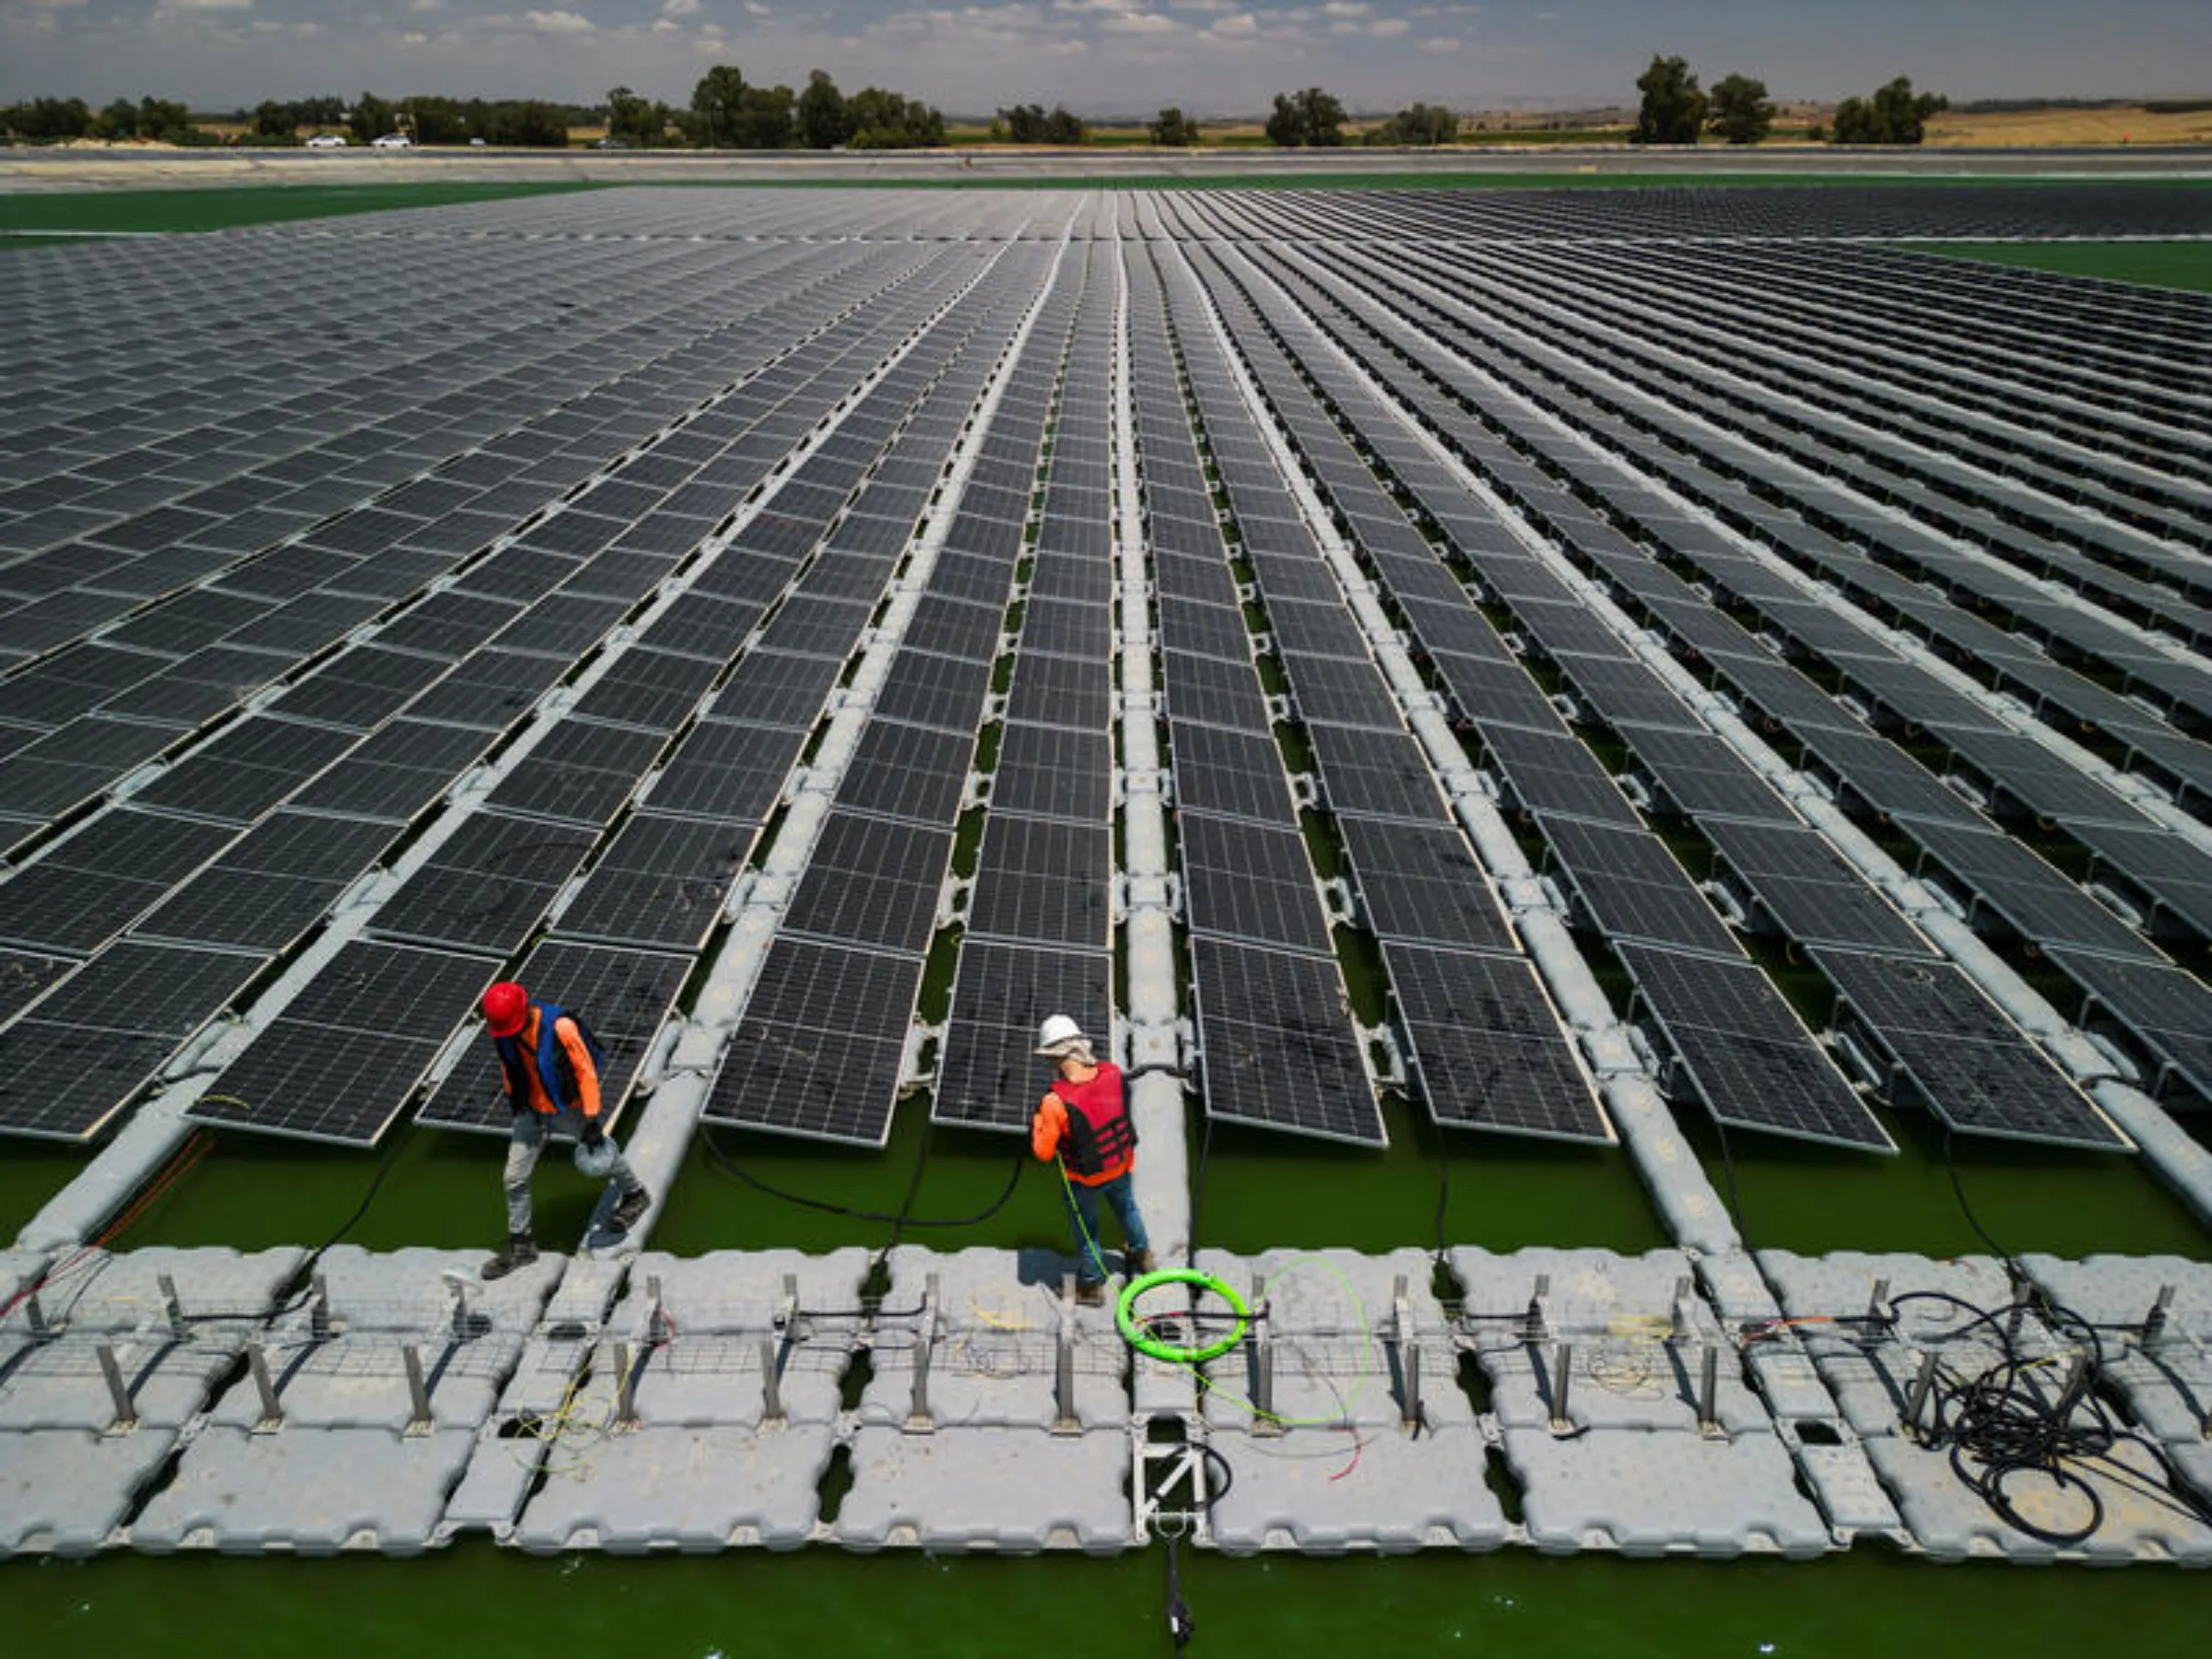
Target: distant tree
x=882, y=119
x=717, y=107
x=168, y=121
x=822, y=120
x=1063, y=126
x=530, y=124
x=1674, y=109
x=1024, y=124
x=47, y=120
x=441, y=120
x=274, y=120
x=1740, y=112
x=637, y=122
x=1311, y=117
x=119, y=120
x=371, y=118
x=1893, y=115
x=1174, y=130
x=320, y=111
x=764, y=119
x=1417, y=124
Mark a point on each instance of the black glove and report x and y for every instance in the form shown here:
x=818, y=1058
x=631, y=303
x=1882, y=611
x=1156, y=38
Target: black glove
x=593, y=1133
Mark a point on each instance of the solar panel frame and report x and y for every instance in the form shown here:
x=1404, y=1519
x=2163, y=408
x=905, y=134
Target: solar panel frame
x=1487, y=1047
x=1745, y=1051
x=1277, y=1046
x=871, y=881
x=820, y=1052
x=1002, y=992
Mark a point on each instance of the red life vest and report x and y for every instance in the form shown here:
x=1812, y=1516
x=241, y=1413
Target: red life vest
x=1101, y=1136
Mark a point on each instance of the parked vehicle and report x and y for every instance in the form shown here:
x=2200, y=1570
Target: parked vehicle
x=327, y=141
x=391, y=141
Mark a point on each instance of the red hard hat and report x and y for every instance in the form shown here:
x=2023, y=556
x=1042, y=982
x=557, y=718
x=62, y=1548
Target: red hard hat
x=506, y=1008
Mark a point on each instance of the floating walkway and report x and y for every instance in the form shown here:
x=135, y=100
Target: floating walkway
x=1561, y=1400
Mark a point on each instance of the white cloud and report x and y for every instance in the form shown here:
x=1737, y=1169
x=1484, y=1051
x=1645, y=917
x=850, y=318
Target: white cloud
x=559, y=22
x=412, y=37
x=758, y=9
x=426, y=5
x=1141, y=23
x=1445, y=44
x=206, y=5
x=54, y=4
x=679, y=8
x=1243, y=23
x=1387, y=29
x=1347, y=8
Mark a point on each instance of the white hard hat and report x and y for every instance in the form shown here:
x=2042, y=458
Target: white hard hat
x=1055, y=1034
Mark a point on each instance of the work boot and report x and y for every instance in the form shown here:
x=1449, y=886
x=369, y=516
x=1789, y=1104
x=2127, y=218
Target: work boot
x=1138, y=1262
x=1091, y=1294
x=520, y=1251
x=627, y=1209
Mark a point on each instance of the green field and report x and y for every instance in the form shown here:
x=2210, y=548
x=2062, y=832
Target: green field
x=2175, y=264
x=247, y=204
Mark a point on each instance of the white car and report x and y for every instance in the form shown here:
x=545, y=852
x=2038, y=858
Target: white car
x=327, y=141
x=391, y=141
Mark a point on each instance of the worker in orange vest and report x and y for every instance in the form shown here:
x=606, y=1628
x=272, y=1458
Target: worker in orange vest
x=549, y=1065
x=1084, y=1122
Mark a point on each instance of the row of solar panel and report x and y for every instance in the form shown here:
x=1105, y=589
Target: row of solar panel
x=474, y=878
x=2035, y=1100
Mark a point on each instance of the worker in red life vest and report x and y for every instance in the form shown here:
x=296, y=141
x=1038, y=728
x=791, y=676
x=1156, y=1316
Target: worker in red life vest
x=548, y=1065
x=1084, y=1122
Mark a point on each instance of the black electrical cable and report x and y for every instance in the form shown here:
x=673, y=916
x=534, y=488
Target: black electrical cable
x=1206, y=1153
x=730, y=1167
x=1735, y=1195
x=2000, y=1425
x=1443, y=1189
x=2012, y=1266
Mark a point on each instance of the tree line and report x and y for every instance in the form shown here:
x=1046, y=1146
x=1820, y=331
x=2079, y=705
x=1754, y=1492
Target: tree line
x=727, y=112
x=1676, y=110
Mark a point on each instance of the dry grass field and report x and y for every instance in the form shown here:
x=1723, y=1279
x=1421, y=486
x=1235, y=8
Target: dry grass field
x=2127, y=125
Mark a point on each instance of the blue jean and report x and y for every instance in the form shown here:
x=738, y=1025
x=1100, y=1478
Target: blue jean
x=1083, y=1217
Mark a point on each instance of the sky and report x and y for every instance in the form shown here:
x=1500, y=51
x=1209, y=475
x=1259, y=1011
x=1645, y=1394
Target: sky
x=1211, y=57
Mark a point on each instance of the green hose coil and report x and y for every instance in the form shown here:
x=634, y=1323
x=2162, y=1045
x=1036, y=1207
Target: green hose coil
x=1143, y=1342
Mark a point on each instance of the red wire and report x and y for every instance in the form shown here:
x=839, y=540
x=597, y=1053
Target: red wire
x=190, y=1153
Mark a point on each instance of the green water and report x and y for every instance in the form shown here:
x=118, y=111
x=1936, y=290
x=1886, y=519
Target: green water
x=2175, y=264
x=483, y=1603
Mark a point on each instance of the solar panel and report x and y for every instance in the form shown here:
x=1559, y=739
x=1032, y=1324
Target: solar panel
x=64, y=1083
x=2163, y=1009
x=819, y=1051
x=344, y=1057
x=1064, y=692
x=1555, y=775
x=1040, y=880
x=623, y=996
x=150, y=990
x=1419, y=883
x=1250, y=881
x=1377, y=774
x=247, y=909
x=1487, y=1046
x=1631, y=888
x=948, y=627
x=944, y=692
x=987, y=1076
x=1745, y=1053
x=1214, y=691
x=771, y=688
x=580, y=774
x=1812, y=894
x=26, y=976
x=725, y=772
x=1235, y=773
x=908, y=772
x=245, y=770
x=1049, y=771
x=1078, y=628
x=871, y=881
x=1279, y=1049
x=1949, y=1045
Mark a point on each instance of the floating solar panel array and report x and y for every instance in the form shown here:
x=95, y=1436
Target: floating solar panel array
x=1038, y=916
x=363, y=641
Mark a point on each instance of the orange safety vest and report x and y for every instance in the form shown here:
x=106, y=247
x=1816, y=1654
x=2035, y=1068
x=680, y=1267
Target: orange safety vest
x=1088, y=1126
